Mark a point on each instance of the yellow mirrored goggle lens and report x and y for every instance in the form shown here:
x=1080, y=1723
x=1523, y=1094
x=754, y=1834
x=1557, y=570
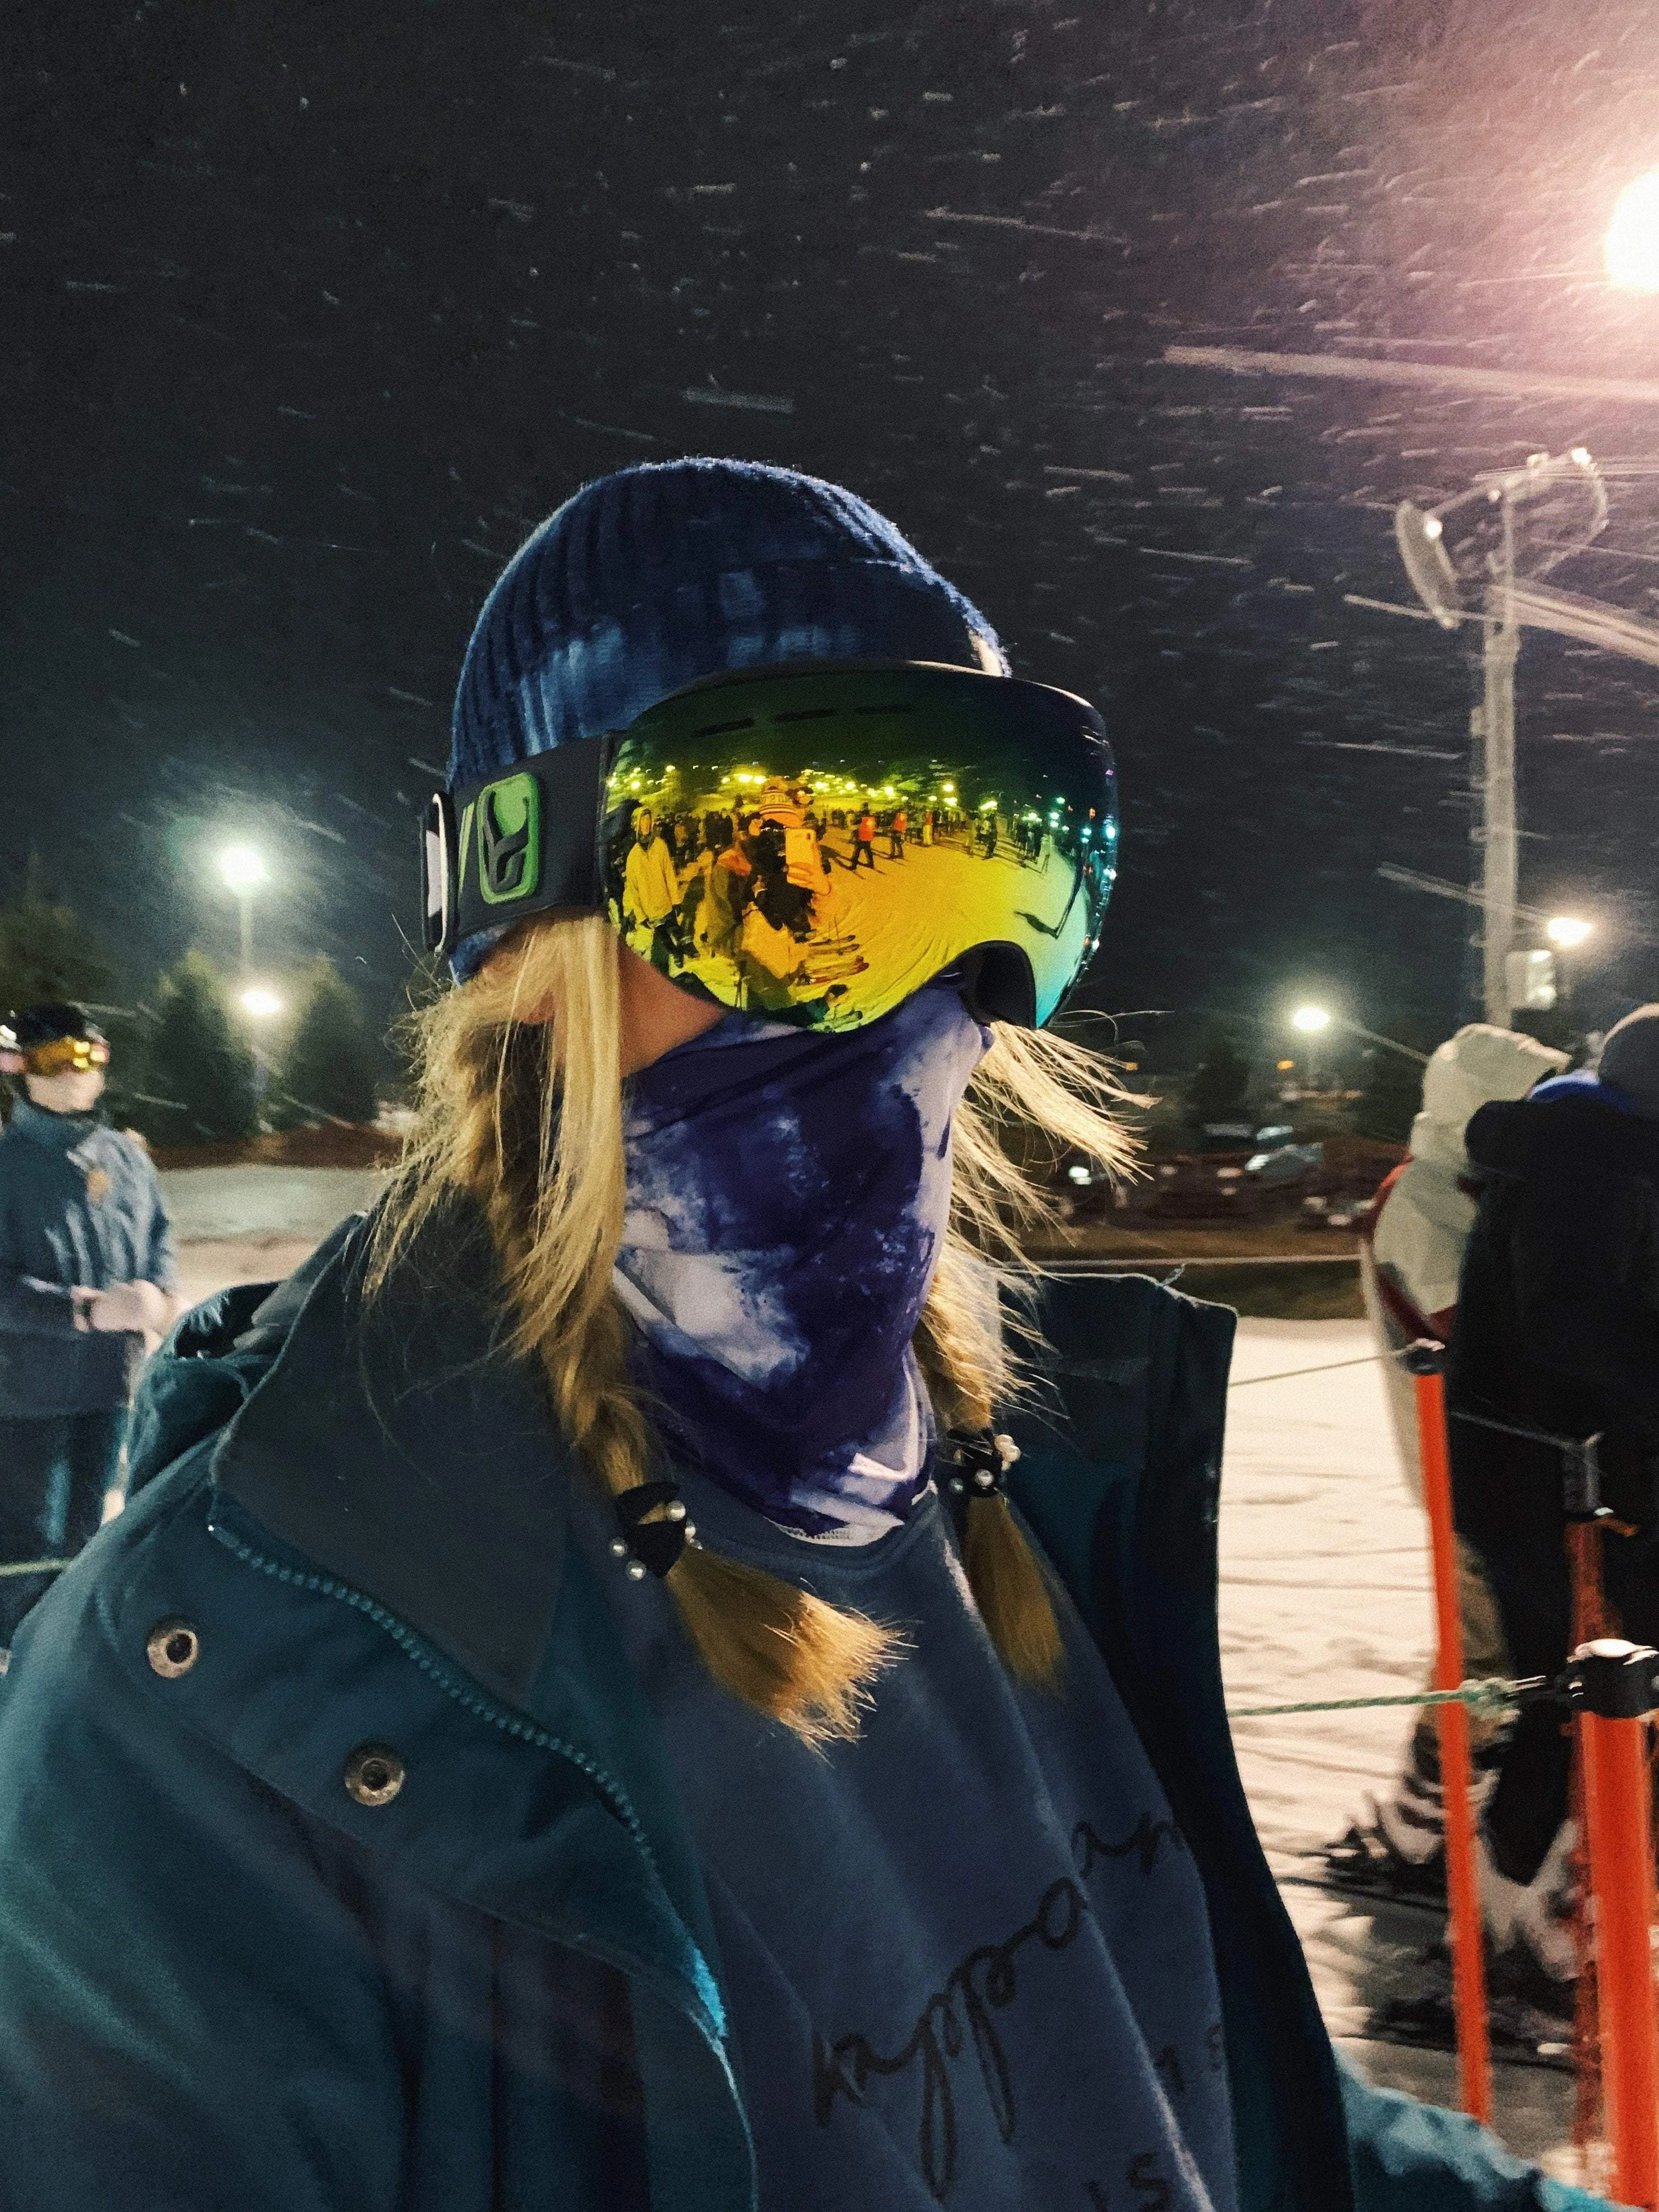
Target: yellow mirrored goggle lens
x=65, y=1054
x=815, y=848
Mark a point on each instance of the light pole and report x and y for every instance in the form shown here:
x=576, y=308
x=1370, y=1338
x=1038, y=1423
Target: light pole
x=1465, y=550
x=243, y=870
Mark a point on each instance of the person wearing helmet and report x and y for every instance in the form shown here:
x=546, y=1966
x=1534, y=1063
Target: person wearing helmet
x=86, y=1277
x=613, y=1692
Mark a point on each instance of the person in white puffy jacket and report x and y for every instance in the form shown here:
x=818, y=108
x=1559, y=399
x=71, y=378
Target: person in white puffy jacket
x=1410, y=1252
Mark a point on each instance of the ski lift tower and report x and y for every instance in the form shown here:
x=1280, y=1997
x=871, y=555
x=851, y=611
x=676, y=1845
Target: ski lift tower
x=1479, y=557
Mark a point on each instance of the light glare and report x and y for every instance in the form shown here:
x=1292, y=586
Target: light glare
x=1631, y=253
x=1566, y=931
x=261, y=1003
x=242, y=867
x=1311, y=1019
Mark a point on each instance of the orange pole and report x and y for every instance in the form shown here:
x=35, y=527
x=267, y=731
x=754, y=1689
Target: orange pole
x=1618, y=1816
x=1589, y=1621
x=1463, y=1894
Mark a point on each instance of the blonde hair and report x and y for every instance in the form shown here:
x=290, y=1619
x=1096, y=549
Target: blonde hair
x=520, y=1107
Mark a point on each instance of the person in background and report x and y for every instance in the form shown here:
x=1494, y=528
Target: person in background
x=864, y=841
x=651, y=890
x=86, y=1277
x=1558, y=1339
x=1410, y=1252
x=731, y=879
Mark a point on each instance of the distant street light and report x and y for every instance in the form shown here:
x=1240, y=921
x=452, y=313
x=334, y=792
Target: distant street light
x=1313, y=1019
x=1631, y=252
x=1566, y=931
x=243, y=870
x=261, y=1003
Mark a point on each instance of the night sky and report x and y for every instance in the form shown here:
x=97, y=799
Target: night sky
x=312, y=311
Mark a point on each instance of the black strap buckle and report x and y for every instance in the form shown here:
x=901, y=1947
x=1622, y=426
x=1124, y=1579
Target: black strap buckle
x=651, y=1547
x=981, y=1460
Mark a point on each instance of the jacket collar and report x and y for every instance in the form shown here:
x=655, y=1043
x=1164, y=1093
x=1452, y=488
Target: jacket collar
x=55, y=1133
x=404, y=1450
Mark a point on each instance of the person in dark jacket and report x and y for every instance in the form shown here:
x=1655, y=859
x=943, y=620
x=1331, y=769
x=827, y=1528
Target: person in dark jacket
x=1411, y=1254
x=597, y=1713
x=86, y=1276
x=1558, y=1338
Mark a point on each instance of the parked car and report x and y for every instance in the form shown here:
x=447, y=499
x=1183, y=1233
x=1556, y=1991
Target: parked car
x=1279, y=1162
x=1217, y=1186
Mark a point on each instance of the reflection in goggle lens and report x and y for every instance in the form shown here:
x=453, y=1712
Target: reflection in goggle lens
x=63, y=1056
x=818, y=852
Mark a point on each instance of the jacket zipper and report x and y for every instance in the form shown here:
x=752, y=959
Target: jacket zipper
x=471, y=1700
x=465, y=1694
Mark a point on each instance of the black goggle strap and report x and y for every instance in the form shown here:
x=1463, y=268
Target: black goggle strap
x=515, y=844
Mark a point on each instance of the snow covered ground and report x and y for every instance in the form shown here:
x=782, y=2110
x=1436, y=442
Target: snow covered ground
x=1324, y=1594
x=254, y=1224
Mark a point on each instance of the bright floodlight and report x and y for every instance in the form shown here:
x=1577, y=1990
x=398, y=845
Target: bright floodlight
x=1566, y=931
x=1631, y=252
x=261, y=1003
x=1311, y=1019
x=242, y=867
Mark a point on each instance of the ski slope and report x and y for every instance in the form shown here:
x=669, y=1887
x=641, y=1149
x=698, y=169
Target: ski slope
x=1324, y=1594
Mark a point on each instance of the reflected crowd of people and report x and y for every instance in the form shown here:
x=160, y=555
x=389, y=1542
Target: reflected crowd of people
x=757, y=885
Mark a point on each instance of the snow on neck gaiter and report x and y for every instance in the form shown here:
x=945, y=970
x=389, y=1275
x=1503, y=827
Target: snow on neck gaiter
x=787, y=1199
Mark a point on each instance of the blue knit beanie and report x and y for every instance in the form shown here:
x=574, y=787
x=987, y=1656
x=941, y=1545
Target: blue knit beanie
x=652, y=578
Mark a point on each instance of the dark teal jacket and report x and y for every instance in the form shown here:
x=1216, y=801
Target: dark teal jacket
x=79, y=1204
x=225, y=1982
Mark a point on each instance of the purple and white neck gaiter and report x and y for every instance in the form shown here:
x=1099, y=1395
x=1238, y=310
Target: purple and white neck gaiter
x=787, y=1199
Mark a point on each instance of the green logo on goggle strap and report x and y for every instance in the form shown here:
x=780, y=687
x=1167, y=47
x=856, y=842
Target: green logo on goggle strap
x=509, y=840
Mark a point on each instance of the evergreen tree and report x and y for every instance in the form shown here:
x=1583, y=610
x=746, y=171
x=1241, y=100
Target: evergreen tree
x=1219, y=1087
x=45, y=951
x=331, y=1068
x=1393, y=1090
x=199, y=1070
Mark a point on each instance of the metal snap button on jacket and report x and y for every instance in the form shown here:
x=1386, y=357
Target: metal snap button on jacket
x=173, y=1647
x=373, y=1774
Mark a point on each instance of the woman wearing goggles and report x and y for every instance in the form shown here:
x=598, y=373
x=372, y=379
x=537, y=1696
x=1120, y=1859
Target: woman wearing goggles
x=667, y=1669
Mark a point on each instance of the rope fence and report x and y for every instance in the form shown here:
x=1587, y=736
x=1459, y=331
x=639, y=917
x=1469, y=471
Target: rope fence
x=1488, y=1697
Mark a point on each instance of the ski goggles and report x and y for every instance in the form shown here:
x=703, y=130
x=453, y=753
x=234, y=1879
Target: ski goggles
x=813, y=844
x=59, y=1056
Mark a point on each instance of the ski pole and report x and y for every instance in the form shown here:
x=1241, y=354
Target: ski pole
x=1614, y=1686
x=1426, y=1361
